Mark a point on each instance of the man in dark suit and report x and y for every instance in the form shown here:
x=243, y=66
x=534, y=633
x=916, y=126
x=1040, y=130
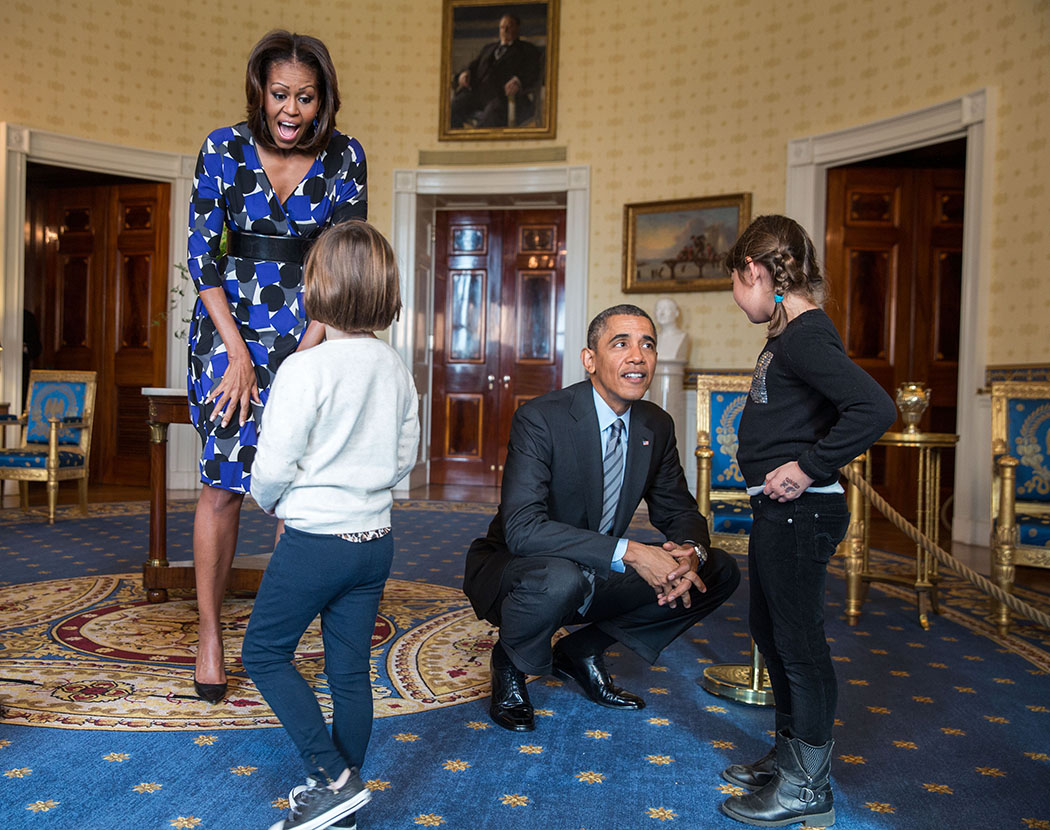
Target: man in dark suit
x=579, y=462
x=508, y=67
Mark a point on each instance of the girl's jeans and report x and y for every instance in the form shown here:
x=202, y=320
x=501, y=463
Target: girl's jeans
x=788, y=553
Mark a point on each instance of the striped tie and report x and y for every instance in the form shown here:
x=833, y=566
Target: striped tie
x=613, y=474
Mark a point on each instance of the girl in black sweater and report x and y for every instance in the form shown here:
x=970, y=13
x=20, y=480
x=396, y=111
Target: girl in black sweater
x=810, y=411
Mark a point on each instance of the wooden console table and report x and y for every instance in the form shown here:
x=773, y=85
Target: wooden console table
x=169, y=406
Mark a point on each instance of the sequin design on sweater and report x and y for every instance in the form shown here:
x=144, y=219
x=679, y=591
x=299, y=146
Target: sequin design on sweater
x=759, y=393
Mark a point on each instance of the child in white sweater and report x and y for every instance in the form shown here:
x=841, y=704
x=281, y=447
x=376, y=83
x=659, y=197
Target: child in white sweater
x=341, y=429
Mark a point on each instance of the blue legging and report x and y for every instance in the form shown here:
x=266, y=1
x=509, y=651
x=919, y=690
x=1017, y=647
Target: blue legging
x=342, y=581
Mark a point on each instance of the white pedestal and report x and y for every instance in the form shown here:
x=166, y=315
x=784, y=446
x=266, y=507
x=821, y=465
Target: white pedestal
x=667, y=392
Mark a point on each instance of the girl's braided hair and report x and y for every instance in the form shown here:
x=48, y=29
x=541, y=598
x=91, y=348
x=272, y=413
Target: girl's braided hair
x=785, y=249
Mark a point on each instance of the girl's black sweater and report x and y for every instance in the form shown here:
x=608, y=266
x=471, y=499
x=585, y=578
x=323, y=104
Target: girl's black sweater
x=809, y=403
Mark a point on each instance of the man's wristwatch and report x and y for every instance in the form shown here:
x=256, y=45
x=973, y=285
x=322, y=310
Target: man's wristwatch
x=701, y=554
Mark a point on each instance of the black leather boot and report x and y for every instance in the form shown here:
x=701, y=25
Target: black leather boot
x=799, y=792
x=755, y=775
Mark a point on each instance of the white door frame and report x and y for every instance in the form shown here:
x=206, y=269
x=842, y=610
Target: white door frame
x=25, y=144
x=410, y=185
x=969, y=117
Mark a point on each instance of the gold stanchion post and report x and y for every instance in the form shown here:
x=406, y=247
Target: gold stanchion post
x=855, y=544
x=735, y=681
x=1004, y=541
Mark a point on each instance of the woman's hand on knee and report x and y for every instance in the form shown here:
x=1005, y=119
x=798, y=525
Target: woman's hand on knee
x=235, y=390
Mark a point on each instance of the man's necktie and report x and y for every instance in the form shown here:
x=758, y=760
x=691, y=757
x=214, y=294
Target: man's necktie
x=501, y=50
x=613, y=475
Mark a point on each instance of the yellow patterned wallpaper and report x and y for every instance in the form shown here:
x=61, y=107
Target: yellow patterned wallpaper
x=662, y=98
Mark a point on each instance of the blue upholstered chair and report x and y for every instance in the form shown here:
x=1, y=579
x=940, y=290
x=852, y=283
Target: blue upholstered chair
x=1021, y=482
x=56, y=435
x=720, y=492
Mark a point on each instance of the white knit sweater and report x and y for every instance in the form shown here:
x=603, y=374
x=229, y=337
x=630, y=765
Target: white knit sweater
x=339, y=430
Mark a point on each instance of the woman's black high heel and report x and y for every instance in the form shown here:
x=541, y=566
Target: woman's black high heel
x=209, y=692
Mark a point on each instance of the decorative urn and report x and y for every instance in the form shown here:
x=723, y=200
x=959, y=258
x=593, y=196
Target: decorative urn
x=912, y=400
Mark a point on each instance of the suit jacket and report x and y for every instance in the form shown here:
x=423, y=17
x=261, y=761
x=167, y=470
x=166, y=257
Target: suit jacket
x=488, y=76
x=552, y=490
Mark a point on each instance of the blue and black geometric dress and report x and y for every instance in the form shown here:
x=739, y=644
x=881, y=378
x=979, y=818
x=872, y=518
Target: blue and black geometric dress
x=266, y=298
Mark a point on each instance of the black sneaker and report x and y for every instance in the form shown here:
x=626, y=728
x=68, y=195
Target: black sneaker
x=345, y=823
x=318, y=807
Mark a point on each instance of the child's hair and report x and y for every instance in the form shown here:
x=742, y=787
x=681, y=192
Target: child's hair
x=351, y=279
x=785, y=249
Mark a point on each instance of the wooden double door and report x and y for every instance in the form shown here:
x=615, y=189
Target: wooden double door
x=97, y=280
x=894, y=256
x=499, y=327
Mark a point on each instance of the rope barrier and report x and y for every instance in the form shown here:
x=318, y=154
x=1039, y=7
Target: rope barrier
x=1015, y=604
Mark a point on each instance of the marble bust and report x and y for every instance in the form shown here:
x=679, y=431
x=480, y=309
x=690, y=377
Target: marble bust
x=672, y=342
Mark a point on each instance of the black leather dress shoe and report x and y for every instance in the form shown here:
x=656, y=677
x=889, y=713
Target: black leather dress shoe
x=209, y=692
x=510, y=707
x=593, y=677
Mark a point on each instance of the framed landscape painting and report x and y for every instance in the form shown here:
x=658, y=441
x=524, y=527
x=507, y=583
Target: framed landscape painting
x=680, y=245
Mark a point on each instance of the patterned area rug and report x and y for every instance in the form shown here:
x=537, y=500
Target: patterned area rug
x=91, y=653
x=102, y=729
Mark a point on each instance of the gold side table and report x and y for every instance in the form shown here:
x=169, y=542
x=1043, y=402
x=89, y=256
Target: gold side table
x=927, y=515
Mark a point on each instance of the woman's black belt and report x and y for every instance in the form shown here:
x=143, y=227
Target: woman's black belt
x=267, y=248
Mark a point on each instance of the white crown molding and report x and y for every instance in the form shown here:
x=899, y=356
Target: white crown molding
x=974, y=106
x=404, y=181
x=904, y=132
x=86, y=154
x=497, y=180
x=17, y=138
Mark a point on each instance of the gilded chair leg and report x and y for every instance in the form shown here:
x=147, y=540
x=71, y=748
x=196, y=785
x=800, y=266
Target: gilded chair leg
x=23, y=495
x=52, y=501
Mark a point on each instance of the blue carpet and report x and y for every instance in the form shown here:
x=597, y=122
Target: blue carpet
x=936, y=725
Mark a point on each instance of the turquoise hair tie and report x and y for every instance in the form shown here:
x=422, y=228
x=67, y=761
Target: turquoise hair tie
x=778, y=298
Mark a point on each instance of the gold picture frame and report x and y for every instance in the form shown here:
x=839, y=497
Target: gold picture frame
x=680, y=245
x=479, y=108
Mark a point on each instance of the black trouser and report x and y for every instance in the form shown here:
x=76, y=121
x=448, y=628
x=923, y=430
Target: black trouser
x=540, y=594
x=788, y=553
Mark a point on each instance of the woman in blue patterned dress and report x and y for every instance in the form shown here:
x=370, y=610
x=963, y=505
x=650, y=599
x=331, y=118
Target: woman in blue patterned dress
x=274, y=182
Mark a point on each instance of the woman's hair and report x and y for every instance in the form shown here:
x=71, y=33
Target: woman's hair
x=351, y=279
x=280, y=46
x=785, y=249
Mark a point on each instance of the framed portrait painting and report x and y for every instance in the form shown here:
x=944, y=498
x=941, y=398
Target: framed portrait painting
x=680, y=245
x=499, y=70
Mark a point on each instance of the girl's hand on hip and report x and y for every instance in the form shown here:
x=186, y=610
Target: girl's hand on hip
x=787, y=482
